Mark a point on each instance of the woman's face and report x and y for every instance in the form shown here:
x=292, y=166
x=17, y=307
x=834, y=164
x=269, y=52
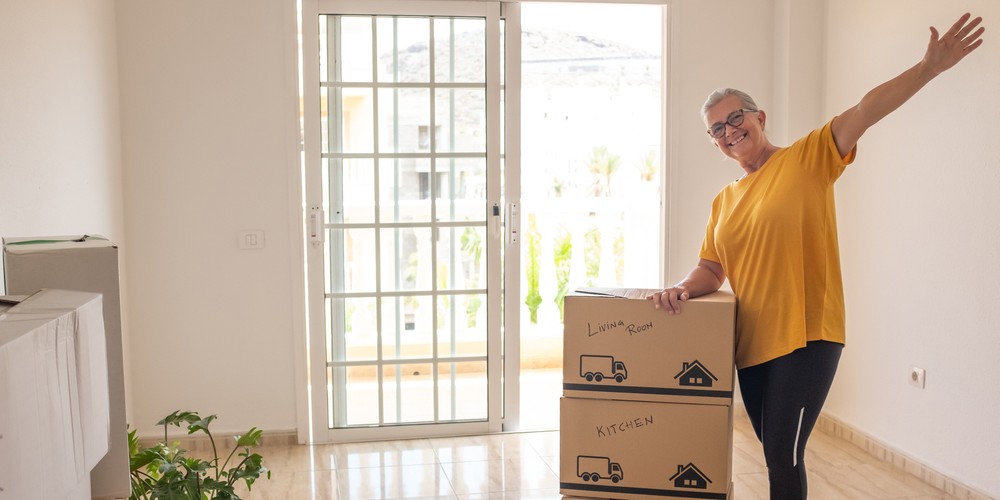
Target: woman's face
x=744, y=142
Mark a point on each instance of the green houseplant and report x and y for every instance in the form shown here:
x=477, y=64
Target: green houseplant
x=162, y=471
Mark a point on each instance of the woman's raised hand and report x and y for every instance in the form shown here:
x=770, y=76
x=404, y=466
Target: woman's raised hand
x=945, y=51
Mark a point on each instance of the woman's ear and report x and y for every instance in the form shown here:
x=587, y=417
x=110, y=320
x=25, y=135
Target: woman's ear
x=762, y=116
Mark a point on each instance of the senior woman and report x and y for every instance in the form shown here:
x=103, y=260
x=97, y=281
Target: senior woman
x=773, y=234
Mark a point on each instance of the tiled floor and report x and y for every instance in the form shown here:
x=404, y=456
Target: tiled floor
x=525, y=466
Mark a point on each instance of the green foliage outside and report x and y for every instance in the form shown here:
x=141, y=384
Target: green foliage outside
x=472, y=246
x=444, y=310
x=603, y=165
x=648, y=166
x=411, y=270
x=618, y=247
x=592, y=254
x=532, y=269
x=559, y=187
x=166, y=472
x=349, y=310
x=562, y=255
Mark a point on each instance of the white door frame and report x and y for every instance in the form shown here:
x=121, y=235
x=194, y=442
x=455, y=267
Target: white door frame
x=511, y=243
x=498, y=369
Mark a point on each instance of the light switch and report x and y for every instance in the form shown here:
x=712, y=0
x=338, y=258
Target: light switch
x=250, y=240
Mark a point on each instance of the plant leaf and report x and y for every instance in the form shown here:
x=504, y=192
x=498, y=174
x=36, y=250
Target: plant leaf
x=219, y=489
x=251, y=438
x=179, y=417
x=133, y=441
x=140, y=460
x=171, y=490
x=195, y=464
x=167, y=468
x=200, y=424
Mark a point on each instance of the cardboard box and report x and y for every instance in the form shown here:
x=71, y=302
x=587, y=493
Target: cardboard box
x=643, y=450
x=729, y=496
x=84, y=263
x=616, y=345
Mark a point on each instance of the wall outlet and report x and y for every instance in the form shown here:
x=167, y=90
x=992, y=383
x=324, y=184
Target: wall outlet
x=918, y=377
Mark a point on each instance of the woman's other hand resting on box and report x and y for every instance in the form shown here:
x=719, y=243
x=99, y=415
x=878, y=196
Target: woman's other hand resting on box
x=705, y=278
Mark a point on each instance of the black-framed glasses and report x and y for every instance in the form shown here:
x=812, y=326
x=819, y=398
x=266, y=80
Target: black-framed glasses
x=734, y=119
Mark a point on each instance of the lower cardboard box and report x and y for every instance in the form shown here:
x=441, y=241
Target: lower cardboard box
x=729, y=496
x=644, y=450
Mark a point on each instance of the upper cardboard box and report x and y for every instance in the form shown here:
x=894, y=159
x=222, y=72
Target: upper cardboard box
x=616, y=345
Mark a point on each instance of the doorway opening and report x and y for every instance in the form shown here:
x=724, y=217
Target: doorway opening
x=591, y=142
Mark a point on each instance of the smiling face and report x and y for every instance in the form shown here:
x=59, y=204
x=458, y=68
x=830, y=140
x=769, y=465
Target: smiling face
x=744, y=143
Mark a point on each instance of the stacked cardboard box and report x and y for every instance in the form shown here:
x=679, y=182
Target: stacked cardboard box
x=647, y=397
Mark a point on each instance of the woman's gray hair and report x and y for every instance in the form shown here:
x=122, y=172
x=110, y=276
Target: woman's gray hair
x=745, y=100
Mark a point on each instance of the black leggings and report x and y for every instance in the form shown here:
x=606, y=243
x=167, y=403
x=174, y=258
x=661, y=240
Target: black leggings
x=783, y=398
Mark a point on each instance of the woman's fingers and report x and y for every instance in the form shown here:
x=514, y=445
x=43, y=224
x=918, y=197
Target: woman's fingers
x=669, y=299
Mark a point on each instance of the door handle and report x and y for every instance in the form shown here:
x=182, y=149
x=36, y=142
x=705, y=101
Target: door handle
x=315, y=225
x=513, y=223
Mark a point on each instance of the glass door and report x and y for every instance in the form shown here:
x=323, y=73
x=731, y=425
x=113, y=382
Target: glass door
x=404, y=218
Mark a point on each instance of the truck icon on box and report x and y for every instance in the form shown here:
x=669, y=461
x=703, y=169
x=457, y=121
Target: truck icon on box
x=591, y=468
x=595, y=368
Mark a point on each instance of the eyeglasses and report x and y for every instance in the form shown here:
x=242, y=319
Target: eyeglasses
x=734, y=119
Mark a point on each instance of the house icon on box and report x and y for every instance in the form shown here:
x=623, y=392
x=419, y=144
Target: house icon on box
x=695, y=374
x=689, y=476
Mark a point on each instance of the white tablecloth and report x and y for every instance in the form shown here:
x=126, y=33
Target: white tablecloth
x=54, y=417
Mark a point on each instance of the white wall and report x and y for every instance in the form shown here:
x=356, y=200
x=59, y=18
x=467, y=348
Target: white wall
x=920, y=238
x=710, y=47
x=208, y=116
x=60, y=165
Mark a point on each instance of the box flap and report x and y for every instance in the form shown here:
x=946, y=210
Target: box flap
x=642, y=293
x=624, y=293
x=12, y=299
x=20, y=246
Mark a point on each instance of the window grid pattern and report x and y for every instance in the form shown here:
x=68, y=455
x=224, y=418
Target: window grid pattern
x=366, y=158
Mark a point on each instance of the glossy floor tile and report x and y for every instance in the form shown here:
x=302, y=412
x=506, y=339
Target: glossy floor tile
x=523, y=466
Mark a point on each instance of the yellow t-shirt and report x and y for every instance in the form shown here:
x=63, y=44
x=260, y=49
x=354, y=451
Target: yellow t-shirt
x=775, y=234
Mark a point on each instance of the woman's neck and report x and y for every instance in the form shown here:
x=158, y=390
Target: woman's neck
x=754, y=164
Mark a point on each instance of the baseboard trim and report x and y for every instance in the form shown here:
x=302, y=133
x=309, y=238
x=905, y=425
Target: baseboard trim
x=223, y=441
x=897, y=459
